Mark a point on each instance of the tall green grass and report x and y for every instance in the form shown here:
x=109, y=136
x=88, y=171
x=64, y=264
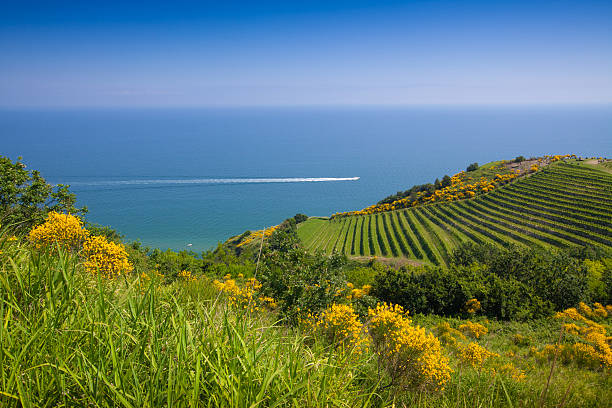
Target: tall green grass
x=68, y=339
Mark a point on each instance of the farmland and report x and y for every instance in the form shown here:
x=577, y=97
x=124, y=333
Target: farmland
x=562, y=204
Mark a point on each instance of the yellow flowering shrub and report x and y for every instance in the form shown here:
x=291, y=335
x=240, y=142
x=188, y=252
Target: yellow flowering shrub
x=63, y=229
x=105, y=257
x=581, y=354
x=591, y=347
x=412, y=356
x=339, y=325
x=599, y=311
x=448, y=335
x=268, y=302
x=462, y=186
x=356, y=293
x=244, y=294
x=521, y=340
x=511, y=371
x=475, y=330
x=186, y=275
x=472, y=306
x=474, y=354
x=257, y=235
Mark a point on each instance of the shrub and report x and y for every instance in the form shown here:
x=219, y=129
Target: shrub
x=448, y=335
x=521, y=340
x=340, y=326
x=472, y=167
x=475, y=330
x=300, y=218
x=26, y=197
x=583, y=355
x=244, y=293
x=62, y=229
x=591, y=344
x=411, y=356
x=472, y=306
x=104, y=257
x=300, y=281
x=170, y=263
x=104, y=230
x=475, y=355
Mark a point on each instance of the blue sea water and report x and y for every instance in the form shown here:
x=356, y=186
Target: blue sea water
x=170, y=177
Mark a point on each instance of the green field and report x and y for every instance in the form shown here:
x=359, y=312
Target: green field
x=564, y=204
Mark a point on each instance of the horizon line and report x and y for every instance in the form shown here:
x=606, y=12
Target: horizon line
x=306, y=105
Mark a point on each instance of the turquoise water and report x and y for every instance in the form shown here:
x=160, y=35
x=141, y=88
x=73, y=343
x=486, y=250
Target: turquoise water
x=172, y=177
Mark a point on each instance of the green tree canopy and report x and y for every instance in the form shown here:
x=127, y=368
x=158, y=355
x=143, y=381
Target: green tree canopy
x=26, y=197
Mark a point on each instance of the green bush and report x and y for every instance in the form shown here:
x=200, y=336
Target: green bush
x=26, y=197
x=513, y=283
x=299, y=281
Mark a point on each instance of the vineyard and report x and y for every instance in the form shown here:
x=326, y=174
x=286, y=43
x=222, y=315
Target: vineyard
x=561, y=205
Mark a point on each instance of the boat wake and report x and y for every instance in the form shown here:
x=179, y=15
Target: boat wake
x=145, y=182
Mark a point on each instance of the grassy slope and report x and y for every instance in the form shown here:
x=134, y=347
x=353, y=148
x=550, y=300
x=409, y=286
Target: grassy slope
x=69, y=339
x=563, y=204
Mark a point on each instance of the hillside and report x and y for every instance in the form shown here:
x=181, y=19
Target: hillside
x=565, y=203
x=91, y=321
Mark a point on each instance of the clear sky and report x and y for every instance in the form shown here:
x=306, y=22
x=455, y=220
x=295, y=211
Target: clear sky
x=291, y=52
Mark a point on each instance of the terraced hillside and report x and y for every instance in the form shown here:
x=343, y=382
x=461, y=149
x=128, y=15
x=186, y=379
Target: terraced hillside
x=561, y=205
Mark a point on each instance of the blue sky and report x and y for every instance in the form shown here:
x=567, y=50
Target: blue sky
x=231, y=53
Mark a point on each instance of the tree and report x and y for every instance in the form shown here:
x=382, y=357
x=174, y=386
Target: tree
x=472, y=167
x=26, y=197
x=300, y=218
x=446, y=181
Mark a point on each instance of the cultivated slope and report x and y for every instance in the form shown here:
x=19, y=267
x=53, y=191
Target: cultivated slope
x=560, y=205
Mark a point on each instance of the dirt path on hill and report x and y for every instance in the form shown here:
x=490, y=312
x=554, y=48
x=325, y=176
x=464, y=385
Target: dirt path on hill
x=393, y=262
x=604, y=168
x=599, y=164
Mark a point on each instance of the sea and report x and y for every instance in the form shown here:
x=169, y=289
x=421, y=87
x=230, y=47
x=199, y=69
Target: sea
x=190, y=178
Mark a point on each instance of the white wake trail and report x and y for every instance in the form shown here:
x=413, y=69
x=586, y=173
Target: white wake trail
x=137, y=182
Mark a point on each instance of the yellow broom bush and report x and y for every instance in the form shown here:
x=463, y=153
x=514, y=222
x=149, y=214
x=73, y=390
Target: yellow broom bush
x=105, y=257
x=63, y=229
x=411, y=356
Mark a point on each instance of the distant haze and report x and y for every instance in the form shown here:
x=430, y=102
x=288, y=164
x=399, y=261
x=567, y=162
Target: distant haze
x=257, y=53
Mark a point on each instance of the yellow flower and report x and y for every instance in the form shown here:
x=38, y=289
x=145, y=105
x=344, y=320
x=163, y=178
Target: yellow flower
x=410, y=354
x=340, y=325
x=513, y=372
x=63, y=229
x=105, y=257
x=244, y=296
x=186, y=275
x=593, y=348
x=472, y=306
x=476, y=330
x=475, y=355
